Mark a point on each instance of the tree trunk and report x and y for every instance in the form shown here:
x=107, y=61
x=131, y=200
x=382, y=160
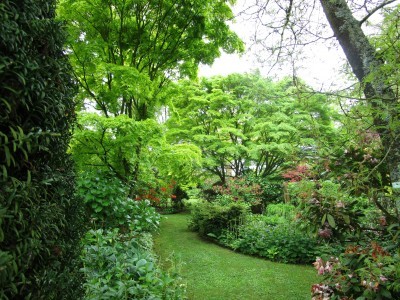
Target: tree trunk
x=362, y=59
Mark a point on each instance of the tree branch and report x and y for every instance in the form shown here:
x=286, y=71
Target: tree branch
x=363, y=20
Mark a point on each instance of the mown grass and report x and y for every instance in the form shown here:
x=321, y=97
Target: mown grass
x=215, y=273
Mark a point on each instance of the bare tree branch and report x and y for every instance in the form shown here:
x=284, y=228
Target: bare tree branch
x=377, y=8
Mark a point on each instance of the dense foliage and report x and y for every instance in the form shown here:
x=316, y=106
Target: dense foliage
x=124, y=52
x=327, y=210
x=118, y=259
x=106, y=200
x=271, y=168
x=105, y=146
x=211, y=219
x=361, y=272
x=41, y=219
x=122, y=265
x=119, y=145
x=273, y=235
x=334, y=177
x=247, y=123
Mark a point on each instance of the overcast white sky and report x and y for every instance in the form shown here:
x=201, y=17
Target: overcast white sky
x=321, y=70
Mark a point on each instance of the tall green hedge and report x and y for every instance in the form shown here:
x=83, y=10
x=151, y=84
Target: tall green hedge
x=40, y=219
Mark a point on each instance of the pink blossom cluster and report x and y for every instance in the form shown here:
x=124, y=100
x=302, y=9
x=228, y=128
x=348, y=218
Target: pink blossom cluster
x=371, y=275
x=325, y=233
x=297, y=174
x=321, y=292
x=324, y=267
x=371, y=285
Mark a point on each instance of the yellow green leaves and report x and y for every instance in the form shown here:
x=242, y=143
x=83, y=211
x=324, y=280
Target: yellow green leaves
x=113, y=142
x=181, y=162
x=125, y=52
x=243, y=120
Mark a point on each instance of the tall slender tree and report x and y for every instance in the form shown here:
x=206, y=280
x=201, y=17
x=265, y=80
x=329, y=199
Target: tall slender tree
x=364, y=61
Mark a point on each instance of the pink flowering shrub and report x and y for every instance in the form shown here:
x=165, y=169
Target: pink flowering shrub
x=367, y=272
x=238, y=189
x=326, y=209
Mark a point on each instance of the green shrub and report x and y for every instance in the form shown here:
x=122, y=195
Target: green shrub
x=279, y=213
x=101, y=192
x=327, y=209
x=41, y=220
x=282, y=243
x=106, y=199
x=212, y=218
x=142, y=216
x=271, y=188
x=119, y=266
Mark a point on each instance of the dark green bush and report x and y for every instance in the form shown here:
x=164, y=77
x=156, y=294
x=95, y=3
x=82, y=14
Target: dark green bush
x=123, y=267
x=105, y=197
x=272, y=190
x=212, y=218
x=41, y=220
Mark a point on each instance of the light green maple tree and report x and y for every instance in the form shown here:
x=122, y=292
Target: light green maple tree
x=244, y=122
x=124, y=51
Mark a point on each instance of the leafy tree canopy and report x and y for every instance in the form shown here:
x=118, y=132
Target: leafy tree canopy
x=135, y=152
x=244, y=122
x=109, y=143
x=124, y=51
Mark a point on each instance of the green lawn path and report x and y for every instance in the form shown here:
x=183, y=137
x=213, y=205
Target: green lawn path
x=212, y=272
